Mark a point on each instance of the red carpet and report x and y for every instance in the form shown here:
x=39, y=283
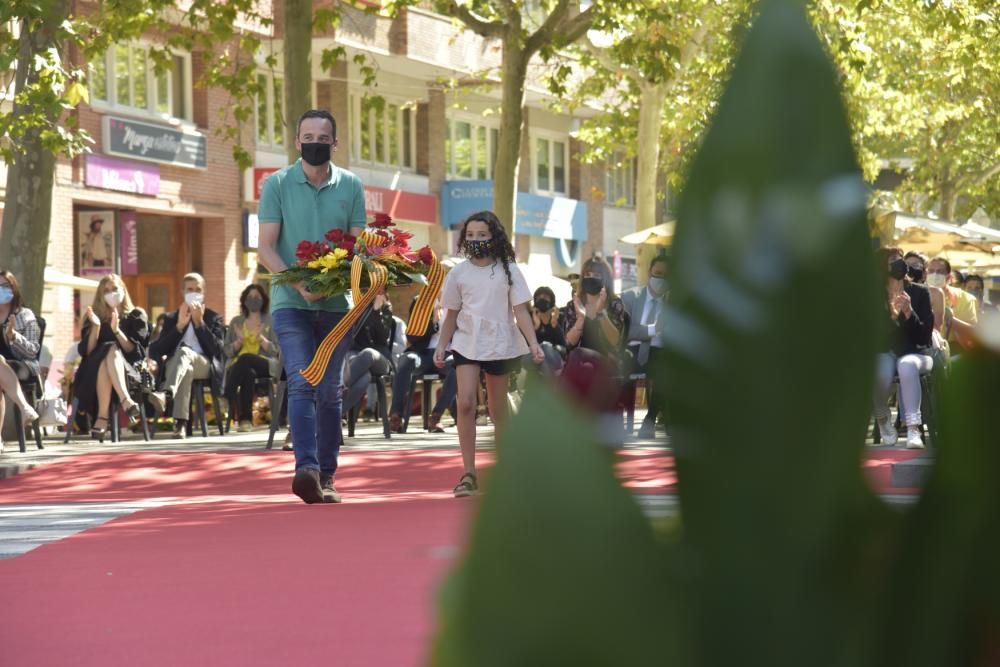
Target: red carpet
x=233, y=570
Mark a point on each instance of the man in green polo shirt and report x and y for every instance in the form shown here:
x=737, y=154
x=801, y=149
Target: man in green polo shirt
x=302, y=202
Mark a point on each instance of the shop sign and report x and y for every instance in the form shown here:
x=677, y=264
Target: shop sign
x=551, y=217
x=401, y=205
x=112, y=174
x=129, y=249
x=154, y=143
x=260, y=175
x=96, y=232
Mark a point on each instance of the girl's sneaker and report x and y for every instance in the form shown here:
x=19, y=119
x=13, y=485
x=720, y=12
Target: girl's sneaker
x=887, y=430
x=914, y=439
x=468, y=485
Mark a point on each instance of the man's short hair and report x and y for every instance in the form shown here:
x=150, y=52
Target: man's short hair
x=317, y=113
x=194, y=278
x=943, y=260
x=659, y=259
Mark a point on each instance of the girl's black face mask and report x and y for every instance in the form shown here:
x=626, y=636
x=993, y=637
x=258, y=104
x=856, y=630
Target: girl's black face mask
x=897, y=269
x=591, y=285
x=543, y=306
x=478, y=249
x=916, y=274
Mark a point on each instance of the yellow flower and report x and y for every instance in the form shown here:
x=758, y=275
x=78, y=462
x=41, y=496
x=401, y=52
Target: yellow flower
x=329, y=261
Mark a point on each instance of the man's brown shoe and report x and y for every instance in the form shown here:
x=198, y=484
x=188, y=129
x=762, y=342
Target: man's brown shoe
x=329, y=491
x=306, y=485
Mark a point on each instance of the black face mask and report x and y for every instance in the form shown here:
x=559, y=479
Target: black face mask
x=316, y=154
x=591, y=285
x=543, y=305
x=254, y=304
x=898, y=269
x=916, y=274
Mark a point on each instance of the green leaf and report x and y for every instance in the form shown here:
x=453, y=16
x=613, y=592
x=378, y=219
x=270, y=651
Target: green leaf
x=768, y=409
x=76, y=92
x=562, y=567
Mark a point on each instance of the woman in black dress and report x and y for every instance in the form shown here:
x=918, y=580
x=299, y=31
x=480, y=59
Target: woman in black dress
x=113, y=339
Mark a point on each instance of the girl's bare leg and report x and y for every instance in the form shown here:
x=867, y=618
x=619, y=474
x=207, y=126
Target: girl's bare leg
x=103, y=393
x=468, y=385
x=10, y=386
x=496, y=397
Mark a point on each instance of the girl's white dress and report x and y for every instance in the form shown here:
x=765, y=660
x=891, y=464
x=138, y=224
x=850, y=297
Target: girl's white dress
x=484, y=300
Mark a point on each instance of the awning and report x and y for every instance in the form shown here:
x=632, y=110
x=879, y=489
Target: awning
x=56, y=278
x=659, y=235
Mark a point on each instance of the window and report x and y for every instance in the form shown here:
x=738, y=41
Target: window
x=619, y=185
x=551, y=160
x=126, y=78
x=384, y=132
x=471, y=149
x=270, y=111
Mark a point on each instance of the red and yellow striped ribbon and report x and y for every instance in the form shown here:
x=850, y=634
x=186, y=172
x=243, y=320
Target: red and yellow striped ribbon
x=378, y=275
x=420, y=317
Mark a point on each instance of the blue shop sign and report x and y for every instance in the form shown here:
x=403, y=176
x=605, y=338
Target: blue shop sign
x=551, y=217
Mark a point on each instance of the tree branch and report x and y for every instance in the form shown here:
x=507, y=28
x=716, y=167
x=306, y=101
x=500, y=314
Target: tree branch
x=977, y=177
x=568, y=29
x=478, y=25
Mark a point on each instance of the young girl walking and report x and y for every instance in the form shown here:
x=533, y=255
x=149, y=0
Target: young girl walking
x=483, y=298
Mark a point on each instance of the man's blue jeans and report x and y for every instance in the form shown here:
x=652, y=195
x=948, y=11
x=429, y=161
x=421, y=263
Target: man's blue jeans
x=313, y=412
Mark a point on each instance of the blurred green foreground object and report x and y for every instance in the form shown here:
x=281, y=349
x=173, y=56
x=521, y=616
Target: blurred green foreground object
x=783, y=555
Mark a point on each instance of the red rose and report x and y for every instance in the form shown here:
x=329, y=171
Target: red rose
x=382, y=220
x=309, y=250
x=426, y=255
x=335, y=236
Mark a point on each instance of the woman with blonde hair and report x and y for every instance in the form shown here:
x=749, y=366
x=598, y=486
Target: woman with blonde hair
x=113, y=337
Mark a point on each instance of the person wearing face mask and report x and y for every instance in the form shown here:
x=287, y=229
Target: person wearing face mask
x=908, y=308
x=251, y=349
x=975, y=286
x=598, y=319
x=547, y=319
x=20, y=337
x=646, y=307
x=113, y=338
x=189, y=348
x=961, y=313
x=302, y=202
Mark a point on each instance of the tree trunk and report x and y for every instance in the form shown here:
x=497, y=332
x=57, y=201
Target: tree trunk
x=27, y=213
x=949, y=202
x=652, y=101
x=508, y=160
x=297, y=50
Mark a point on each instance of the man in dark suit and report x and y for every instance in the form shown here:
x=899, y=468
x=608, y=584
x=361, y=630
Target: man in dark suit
x=646, y=306
x=190, y=345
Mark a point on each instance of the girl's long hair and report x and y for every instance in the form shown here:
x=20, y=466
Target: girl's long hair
x=100, y=306
x=502, y=249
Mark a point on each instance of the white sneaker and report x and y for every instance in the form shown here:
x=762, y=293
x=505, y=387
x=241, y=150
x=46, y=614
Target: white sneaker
x=914, y=440
x=888, y=431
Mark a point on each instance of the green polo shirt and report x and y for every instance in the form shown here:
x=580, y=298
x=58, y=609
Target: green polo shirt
x=307, y=213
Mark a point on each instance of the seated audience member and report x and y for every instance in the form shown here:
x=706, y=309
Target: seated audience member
x=19, y=345
x=908, y=309
x=960, y=308
x=597, y=320
x=419, y=359
x=251, y=350
x=646, y=307
x=548, y=321
x=975, y=286
x=113, y=338
x=371, y=352
x=191, y=344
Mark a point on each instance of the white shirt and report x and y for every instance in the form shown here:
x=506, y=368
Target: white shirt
x=651, y=311
x=484, y=300
x=191, y=339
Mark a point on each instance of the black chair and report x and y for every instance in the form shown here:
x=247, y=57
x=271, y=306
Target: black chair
x=629, y=393
x=33, y=388
x=198, y=407
x=381, y=406
x=278, y=396
x=427, y=381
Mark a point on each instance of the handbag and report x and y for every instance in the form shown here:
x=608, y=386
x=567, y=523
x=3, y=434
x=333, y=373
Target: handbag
x=52, y=411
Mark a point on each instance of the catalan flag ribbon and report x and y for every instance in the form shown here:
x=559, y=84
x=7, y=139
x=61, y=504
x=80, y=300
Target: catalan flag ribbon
x=378, y=277
x=423, y=309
